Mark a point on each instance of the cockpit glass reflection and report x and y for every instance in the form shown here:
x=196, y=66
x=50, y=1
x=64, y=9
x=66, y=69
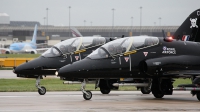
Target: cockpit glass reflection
x=93, y=41
x=123, y=45
x=74, y=44
x=64, y=47
x=118, y=46
x=98, y=54
x=112, y=48
x=52, y=52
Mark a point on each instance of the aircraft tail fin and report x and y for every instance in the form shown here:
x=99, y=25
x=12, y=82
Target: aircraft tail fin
x=75, y=32
x=34, y=35
x=190, y=28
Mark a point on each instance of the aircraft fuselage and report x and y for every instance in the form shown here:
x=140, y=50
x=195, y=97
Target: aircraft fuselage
x=176, y=57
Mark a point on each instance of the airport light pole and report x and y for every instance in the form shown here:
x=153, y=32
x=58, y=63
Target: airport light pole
x=113, y=21
x=69, y=20
x=91, y=23
x=152, y=28
x=159, y=21
x=47, y=21
x=140, y=19
x=84, y=22
x=44, y=20
x=132, y=25
x=44, y=25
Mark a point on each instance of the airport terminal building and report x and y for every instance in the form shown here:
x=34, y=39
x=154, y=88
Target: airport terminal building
x=23, y=31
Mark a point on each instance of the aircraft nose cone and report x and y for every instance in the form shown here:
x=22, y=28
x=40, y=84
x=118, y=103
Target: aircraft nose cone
x=73, y=69
x=61, y=72
x=22, y=69
x=77, y=69
x=17, y=69
x=14, y=69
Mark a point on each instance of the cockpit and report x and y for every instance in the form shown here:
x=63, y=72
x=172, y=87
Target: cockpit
x=123, y=45
x=74, y=44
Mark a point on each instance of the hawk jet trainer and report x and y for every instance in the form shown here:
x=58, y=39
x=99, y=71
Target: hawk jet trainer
x=59, y=55
x=160, y=60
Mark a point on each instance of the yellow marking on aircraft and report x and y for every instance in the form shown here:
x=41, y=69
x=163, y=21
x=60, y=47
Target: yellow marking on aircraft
x=121, y=79
x=79, y=51
x=130, y=52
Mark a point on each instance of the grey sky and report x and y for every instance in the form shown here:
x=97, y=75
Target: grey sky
x=172, y=12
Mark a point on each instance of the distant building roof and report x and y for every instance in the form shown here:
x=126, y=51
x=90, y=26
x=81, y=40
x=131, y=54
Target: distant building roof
x=95, y=28
x=4, y=14
x=24, y=23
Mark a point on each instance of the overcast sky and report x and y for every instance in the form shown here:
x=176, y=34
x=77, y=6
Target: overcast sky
x=172, y=12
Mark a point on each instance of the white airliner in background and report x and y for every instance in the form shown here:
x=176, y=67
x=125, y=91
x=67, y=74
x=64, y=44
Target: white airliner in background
x=24, y=47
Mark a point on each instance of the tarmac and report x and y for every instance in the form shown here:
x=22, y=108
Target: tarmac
x=7, y=74
x=116, y=101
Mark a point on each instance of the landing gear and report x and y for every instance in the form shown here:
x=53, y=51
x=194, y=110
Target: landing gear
x=158, y=95
x=145, y=90
x=87, y=95
x=198, y=95
x=32, y=52
x=106, y=85
x=103, y=87
x=155, y=88
x=41, y=89
x=161, y=87
x=105, y=90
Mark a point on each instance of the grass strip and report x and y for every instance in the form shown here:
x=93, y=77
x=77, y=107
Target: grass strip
x=28, y=85
x=6, y=68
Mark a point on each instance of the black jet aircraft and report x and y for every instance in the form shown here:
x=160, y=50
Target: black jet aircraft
x=59, y=55
x=159, y=60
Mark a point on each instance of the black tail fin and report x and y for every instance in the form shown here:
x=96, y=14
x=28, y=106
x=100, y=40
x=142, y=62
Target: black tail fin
x=190, y=27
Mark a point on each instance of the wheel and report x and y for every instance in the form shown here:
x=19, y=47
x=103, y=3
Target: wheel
x=198, y=95
x=87, y=97
x=145, y=90
x=105, y=91
x=7, y=52
x=42, y=91
x=158, y=95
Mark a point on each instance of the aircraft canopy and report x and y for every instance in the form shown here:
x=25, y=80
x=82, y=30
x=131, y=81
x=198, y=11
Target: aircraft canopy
x=123, y=45
x=74, y=44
